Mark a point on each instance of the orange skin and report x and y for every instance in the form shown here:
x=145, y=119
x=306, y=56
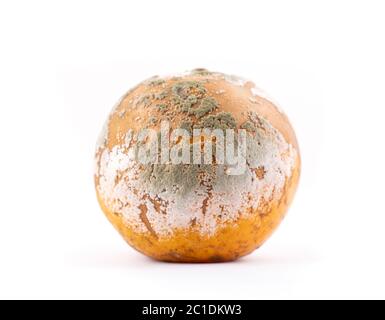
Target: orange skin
x=229, y=243
x=231, y=240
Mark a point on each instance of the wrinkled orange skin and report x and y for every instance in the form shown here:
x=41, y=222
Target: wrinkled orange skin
x=231, y=240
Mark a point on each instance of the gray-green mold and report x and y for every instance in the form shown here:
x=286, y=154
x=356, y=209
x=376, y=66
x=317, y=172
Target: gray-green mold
x=221, y=120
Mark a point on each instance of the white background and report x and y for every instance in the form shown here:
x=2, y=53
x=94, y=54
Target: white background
x=64, y=64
